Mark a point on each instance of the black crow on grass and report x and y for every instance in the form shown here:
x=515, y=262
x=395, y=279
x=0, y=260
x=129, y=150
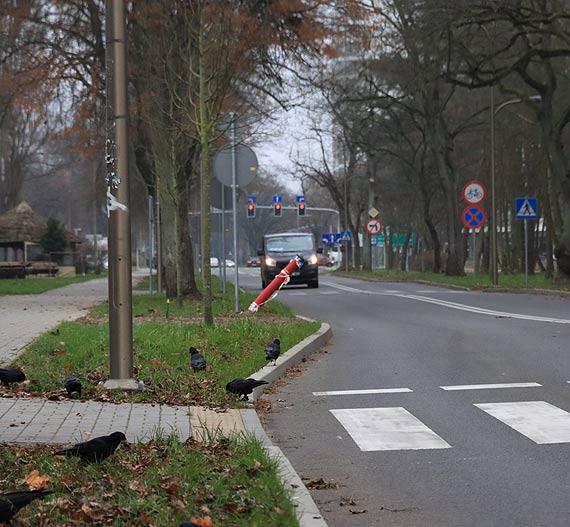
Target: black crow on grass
x=10, y=375
x=243, y=387
x=198, y=362
x=272, y=351
x=96, y=449
x=72, y=385
x=12, y=502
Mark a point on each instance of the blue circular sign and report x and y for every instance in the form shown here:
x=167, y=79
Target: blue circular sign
x=473, y=217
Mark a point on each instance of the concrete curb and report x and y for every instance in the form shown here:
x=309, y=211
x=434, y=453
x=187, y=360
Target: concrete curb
x=308, y=513
x=292, y=357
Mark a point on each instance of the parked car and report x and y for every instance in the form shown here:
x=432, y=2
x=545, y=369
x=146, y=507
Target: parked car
x=324, y=260
x=254, y=261
x=214, y=262
x=230, y=263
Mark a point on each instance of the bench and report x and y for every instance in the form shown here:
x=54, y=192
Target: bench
x=37, y=268
x=12, y=270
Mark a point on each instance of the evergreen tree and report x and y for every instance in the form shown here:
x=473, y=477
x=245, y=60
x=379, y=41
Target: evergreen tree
x=53, y=241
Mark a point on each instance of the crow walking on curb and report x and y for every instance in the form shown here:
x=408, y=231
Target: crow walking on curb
x=12, y=502
x=10, y=375
x=272, y=351
x=72, y=385
x=243, y=387
x=96, y=449
x=198, y=362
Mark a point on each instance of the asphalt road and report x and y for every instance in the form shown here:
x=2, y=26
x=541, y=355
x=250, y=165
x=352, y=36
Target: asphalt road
x=454, y=407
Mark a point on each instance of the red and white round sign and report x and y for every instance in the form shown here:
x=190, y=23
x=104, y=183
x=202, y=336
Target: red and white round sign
x=474, y=192
x=373, y=226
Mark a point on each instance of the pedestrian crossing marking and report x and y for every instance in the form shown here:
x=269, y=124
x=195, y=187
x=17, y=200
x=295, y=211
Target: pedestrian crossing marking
x=540, y=421
x=491, y=386
x=374, y=429
x=364, y=392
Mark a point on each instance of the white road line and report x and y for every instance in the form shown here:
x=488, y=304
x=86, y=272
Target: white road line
x=446, y=291
x=297, y=293
x=392, y=291
x=540, y=421
x=330, y=293
x=491, y=386
x=387, y=429
x=455, y=305
x=364, y=392
x=346, y=288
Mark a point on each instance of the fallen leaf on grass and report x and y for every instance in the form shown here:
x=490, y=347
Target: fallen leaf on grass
x=203, y=522
x=256, y=467
x=155, y=363
x=35, y=481
x=170, y=486
x=137, y=486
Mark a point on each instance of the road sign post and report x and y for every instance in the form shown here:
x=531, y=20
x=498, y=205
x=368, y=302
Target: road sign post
x=474, y=192
x=526, y=210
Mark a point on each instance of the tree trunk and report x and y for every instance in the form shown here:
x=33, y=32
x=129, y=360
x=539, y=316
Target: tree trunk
x=185, y=278
x=205, y=182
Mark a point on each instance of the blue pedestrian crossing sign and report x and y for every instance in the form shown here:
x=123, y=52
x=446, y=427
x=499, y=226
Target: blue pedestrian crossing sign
x=526, y=208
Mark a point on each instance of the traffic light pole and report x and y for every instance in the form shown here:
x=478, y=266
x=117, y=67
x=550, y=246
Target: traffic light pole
x=307, y=209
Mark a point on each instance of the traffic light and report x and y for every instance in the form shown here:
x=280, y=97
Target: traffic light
x=251, y=210
x=301, y=209
x=277, y=209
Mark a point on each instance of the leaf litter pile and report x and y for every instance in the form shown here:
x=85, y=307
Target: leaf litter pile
x=230, y=483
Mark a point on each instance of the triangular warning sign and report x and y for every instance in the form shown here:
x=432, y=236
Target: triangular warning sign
x=526, y=210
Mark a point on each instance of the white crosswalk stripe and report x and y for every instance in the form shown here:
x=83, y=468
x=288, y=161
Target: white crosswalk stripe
x=540, y=421
x=387, y=429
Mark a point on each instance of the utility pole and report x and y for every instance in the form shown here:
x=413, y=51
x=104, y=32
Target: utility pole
x=117, y=179
x=158, y=239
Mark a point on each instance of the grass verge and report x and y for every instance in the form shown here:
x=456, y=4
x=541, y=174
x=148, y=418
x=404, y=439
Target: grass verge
x=34, y=286
x=161, y=358
x=470, y=281
x=233, y=347
x=232, y=482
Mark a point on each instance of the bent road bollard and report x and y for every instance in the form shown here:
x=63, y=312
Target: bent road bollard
x=279, y=281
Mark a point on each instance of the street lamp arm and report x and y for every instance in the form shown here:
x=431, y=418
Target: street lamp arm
x=516, y=101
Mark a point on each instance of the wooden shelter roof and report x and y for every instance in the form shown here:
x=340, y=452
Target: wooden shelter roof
x=22, y=224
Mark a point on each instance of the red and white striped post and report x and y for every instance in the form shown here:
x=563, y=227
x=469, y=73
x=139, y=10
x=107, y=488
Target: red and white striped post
x=279, y=281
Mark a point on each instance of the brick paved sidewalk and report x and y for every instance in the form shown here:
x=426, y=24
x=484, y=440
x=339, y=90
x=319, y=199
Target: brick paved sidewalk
x=41, y=421
x=25, y=317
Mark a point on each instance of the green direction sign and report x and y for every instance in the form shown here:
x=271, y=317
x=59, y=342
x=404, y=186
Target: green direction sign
x=397, y=239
